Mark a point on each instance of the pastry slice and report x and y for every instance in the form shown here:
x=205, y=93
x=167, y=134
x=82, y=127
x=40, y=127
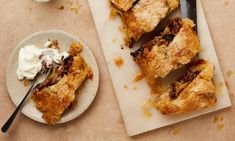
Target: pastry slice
x=177, y=45
x=195, y=90
x=58, y=92
x=145, y=16
x=123, y=4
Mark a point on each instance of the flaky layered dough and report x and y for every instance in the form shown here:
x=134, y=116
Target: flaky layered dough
x=145, y=16
x=53, y=100
x=123, y=4
x=177, y=46
x=192, y=92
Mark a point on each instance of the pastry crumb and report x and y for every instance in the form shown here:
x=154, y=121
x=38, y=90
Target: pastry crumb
x=118, y=61
x=221, y=118
x=74, y=10
x=216, y=118
x=147, y=113
x=231, y=94
x=138, y=76
x=220, y=126
x=229, y=73
x=114, y=40
x=125, y=86
x=175, y=130
x=147, y=106
x=135, y=88
x=74, y=6
x=226, y=2
x=26, y=82
x=61, y=7
x=30, y=9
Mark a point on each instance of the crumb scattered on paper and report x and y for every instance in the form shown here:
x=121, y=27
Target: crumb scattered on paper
x=74, y=6
x=229, y=73
x=147, y=107
x=30, y=9
x=64, y=24
x=218, y=119
x=226, y=2
x=114, y=40
x=125, y=86
x=175, y=130
x=61, y=7
x=220, y=126
x=138, y=76
x=221, y=118
x=231, y=95
x=118, y=61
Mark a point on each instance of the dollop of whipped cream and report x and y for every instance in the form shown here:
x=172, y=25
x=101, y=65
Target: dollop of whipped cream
x=31, y=59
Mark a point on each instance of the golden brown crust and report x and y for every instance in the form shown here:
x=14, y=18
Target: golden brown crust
x=53, y=100
x=123, y=4
x=172, y=50
x=191, y=94
x=145, y=16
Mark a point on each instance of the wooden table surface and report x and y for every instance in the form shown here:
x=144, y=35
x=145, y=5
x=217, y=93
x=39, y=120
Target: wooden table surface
x=103, y=120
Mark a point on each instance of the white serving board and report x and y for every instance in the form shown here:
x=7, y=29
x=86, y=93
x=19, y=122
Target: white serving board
x=131, y=99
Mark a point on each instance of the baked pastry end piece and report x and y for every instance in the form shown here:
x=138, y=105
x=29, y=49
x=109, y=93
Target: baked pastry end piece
x=145, y=16
x=123, y=4
x=193, y=91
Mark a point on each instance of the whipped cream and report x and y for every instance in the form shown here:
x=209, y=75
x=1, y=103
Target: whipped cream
x=30, y=60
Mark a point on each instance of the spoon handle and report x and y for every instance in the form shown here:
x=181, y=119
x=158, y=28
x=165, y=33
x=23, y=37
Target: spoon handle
x=6, y=126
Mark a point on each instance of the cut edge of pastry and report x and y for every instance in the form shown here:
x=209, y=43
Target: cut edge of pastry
x=193, y=91
x=169, y=51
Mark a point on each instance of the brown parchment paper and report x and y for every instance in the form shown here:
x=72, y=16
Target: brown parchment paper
x=103, y=121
